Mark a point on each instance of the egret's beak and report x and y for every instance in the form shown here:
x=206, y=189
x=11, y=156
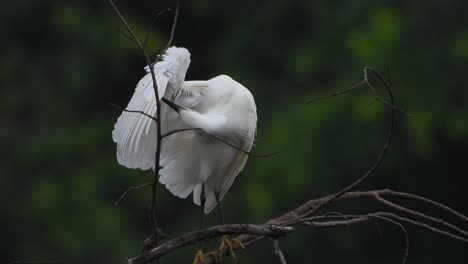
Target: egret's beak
x=173, y=105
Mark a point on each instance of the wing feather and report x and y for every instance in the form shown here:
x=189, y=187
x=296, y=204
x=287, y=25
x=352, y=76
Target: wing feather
x=134, y=133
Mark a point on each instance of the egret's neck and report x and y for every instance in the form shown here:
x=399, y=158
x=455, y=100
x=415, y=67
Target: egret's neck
x=208, y=122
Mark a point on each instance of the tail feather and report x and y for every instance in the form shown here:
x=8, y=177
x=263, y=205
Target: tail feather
x=181, y=168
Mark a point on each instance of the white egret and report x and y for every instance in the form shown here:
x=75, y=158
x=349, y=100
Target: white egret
x=192, y=161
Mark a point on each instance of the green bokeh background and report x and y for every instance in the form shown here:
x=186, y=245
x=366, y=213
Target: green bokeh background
x=62, y=62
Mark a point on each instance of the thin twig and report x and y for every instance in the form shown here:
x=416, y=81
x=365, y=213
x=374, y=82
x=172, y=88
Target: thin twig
x=425, y=226
x=151, y=25
x=426, y=200
x=278, y=252
x=388, y=215
x=219, y=139
x=133, y=111
x=384, y=150
x=337, y=93
x=171, y=36
x=418, y=214
x=159, y=137
x=152, y=213
x=131, y=189
x=403, y=229
x=127, y=36
x=336, y=223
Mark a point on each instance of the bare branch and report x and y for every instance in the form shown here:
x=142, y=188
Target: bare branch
x=152, y=23
x=336, y=223
x=292, y=217
x=152, y=212
x=278, y=252
x=217, y=231
x=364, y=82
x=171, y=37
x=127, y=36
x=403, y=229
x=384, y=150
x=418, y=214
x=427, y=201
x=425, y=226
x=131, y=189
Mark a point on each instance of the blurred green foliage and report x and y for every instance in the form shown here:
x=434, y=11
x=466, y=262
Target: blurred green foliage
x=62, y=62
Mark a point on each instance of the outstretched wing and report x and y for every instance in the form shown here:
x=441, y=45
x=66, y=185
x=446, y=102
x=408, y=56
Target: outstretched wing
x=134, y=133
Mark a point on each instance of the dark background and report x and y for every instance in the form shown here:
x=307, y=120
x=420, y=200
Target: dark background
x=62, y=62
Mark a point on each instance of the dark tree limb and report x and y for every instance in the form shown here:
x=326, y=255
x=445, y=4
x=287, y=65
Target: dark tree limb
x=212, y=232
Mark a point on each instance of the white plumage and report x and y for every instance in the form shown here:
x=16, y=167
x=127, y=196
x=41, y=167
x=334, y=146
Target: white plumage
x=220, y=106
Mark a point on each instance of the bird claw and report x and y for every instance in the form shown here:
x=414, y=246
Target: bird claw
x=230, y=243
x=200, y=258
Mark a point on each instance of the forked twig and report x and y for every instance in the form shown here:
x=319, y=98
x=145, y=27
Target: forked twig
x=171, y=36
x=385, y=148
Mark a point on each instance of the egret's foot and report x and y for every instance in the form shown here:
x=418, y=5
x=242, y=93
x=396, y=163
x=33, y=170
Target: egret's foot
x=200, y=258
x=231, y=243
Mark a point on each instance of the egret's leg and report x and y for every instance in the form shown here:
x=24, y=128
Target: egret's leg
x=226, y=241
x=199, y=256
x=202, y=209
x=220, y=211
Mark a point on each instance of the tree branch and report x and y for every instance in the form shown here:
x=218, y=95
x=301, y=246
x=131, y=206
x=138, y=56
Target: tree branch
x=418, y=214
x=152, y=210
x=212, y=232
x=385, y=148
